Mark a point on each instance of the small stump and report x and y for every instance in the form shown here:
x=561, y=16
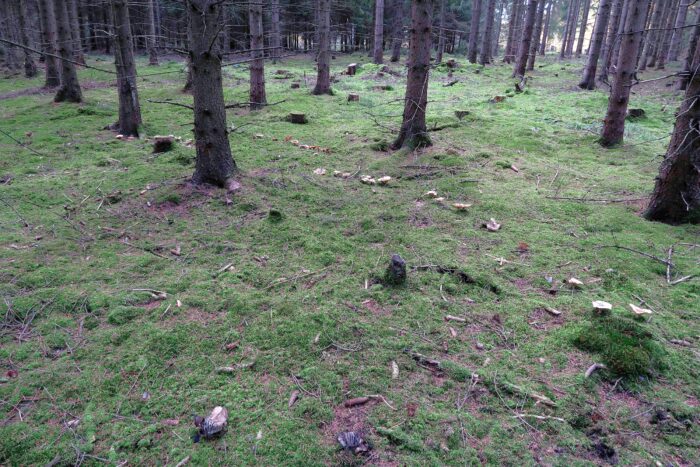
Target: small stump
x=295, y=86
x=635, y=114
x=352, y=69
x=497, y=99
x=396, y=272
x=452, y=64
x=297, y=117
x=460, y=114
x=163, y=144
x=353, y=97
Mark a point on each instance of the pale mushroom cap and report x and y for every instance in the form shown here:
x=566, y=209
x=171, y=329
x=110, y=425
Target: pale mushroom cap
x=639, y=311
x=601, y=305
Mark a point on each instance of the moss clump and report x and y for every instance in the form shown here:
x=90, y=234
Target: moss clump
x=624, y=346
x=123, y=314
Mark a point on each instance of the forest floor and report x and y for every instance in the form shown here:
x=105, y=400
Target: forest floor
x=282, y=281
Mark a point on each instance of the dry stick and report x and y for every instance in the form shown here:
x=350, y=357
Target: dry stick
x=668, y=265
x=22, y=144
x=171, y=103
x=236, y=105
x=15, y=44
x=538, y=417
x=596, y=200
x=647, y=255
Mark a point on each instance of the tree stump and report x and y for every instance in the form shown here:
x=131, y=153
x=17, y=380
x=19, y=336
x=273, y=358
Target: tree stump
x=297, y=117
x=452, y=64
x=352, y=69
x=353, y=97
x=634, y=114
x=295, y=86
x=460, y=114
x=162, y=144
x=396, y=272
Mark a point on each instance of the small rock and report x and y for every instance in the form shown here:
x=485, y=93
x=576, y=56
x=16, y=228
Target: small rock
x=396, y=272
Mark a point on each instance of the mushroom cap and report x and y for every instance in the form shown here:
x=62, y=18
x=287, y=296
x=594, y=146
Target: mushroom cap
x=601, y=305
x=639, y=311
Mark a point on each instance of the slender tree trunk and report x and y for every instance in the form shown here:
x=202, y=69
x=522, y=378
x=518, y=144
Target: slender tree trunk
x=487, y=46
x=668, y=33
x=151, y=39
x=414, y=132
x=378, y=53
x=692, y=46
x=545, y=33
x=677, y=34
x=323, y=80
x=48, y=27
x=441, y=33
x=497, y=34
x=584, y=27
x=214, y=162
x=526, y=39
x=534, y=46
x=676, y=196
x=72, y=7
x=397, y=29
x=614, y=124
x=572, y=35
x=474, y=31
x=651, y=39
x=601, y=25
x=607, y=51
x=257, y=66
x=512, y=23
x=275, y=30
x=8, y=30
x=70, y=88
x=659, y=39
x=30, y=70
x=567, y=30
x=129, y=108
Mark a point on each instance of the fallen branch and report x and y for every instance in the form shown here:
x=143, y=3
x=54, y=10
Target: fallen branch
x=596, y=200
x=538, y=417
x=237, y=105
x=591, y=369
x=647, y=255
x=178, y=104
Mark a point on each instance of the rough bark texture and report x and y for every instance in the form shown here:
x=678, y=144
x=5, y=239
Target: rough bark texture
x=545, y=33
x=535, y=45
x=129, y=108
x=275, y=30
x=257, y=66
x=615, y=50
x=692, y=47
x=651, y=39
x=497, y=33
x=609, y=40
x=414, y=132
x=614, y=124
x=667, y=34
x=512, y=21
x=48, y=26
x=378, y=54
x=486, y=46
x=572, y=34
x=151, y=39
x=601, y=25
x=567, y=29
x=323, y=79
x=677, y=34
x=214, y=163
x=72, y=8
x=70, y=88
x=526, y=39
x=584, y=27
x=474, y=31
x=676, y=196
x=442, y=33
x=30, y=70
x=397, y=29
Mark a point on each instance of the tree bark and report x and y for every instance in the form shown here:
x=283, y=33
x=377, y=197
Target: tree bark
x=676, y=195
x=534, y=46
x=129, y=108
x=526, y=40
x=512, y=22
x=614, y=124
x=584, y=27
x=72, y=8
x=275, y=30
x=659, y=38
x=69, y=91
x=414, y=132
x=30, y=70
x=214, y=162
x=668, y=33
x=677, y=34
x=607, y=50
x=441, y=32
x=651, y=39
x=378, y=53
x=397, y=29
x=151, y=39
x=497, y=33
x=567, y=29
x=258, y=98
x=545, y=33
x=572, y=34
x=474, y=30
x=48, y=29
x=692, y=46
x=601, y=25
x=323, y=79
x=487, y=46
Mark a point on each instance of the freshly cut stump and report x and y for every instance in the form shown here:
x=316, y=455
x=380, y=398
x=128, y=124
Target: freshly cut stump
x=353, y=97
x=297, y=117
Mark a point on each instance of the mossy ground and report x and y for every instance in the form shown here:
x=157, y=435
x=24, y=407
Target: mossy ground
x=88, y=219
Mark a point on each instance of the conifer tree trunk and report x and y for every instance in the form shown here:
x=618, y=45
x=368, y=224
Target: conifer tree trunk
x=70, y=88
x=601, y=25
x=474, y=31
x=72, y=7
x=30, y=70
x=214, y=162
x=487, y=46
x=48, y=30
x=676, y=196
x=572, y=35
x=534, y=46
x=651, y=39
x=659, y=37
x=129, y=108
x=687, y=63
x=545, y=33
x=397, y=29
x=607, y=50
x=584, y=26
x=275, y=30
x=497, y=33
x=512, y=23
x=441, y=33
x=257, y=66
x=614, y=124
x=567, y=29
x=414, y=132
x=151, y=39
x=526, y=39
x=378, y=54
x=677, y=34
x=323, y=79
x=668, y=33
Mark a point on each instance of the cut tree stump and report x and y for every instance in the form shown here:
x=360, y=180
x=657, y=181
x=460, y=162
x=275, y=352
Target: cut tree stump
x=452, y=63
x=353, y=97
x=352, y=69
x=295, y=85
x=634, y=114
x=297, y=117
x=163, y=144
x=396, y=272
x=460, y=114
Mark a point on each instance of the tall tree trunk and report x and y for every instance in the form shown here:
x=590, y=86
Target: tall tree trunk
x=526, y=39
x=24, y=19
x=48, y=30
x=584, y=26
x=129, y=108
x=687, y=63
x=512, y=23
x=567, y=29
x=614, y=124
x=534, y=46
x=609, y=42
x=414, y=132
x=397, y=29
x=659, y=39
x=214, y=162
x=474, y=30
x=72, y=7
x=668, y=33
x=601, y=25
x=257, y=66
x=572, y=35
x=8, y=30
x=323, y=79
x=70, y=88
x=151, y=39
x=651, y=39
x=442, y=33
x=676, y=196
x=378, y=53
x=545, y=33
x=486, y=46
x=497, y=34
x=677, y=34
x=275, y=30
